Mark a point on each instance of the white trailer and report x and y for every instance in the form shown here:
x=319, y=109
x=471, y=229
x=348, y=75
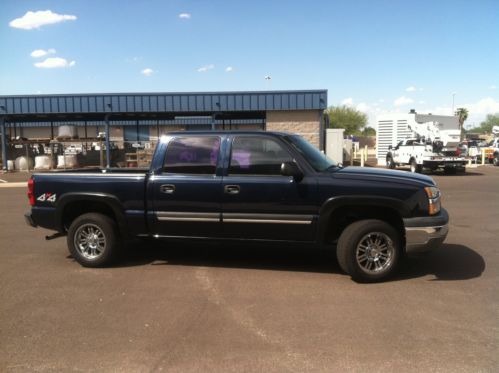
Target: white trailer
x=419, y=141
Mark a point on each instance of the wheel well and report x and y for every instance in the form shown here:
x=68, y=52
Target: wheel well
x=344, y=216
x=74, y=209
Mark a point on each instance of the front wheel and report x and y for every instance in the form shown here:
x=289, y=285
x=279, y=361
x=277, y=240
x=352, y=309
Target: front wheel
x=369, y=250
x=389, y=162
x=93, y=240
x=496, y=160
x=415, y=167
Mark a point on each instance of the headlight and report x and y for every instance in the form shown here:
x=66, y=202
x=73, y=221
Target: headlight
x=433, y=194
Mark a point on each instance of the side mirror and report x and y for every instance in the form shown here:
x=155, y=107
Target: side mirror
x=291, y=169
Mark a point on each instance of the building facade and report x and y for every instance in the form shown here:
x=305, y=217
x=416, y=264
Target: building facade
x=146, y=116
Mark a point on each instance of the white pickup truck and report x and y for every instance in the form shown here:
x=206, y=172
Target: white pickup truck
x=418, y=156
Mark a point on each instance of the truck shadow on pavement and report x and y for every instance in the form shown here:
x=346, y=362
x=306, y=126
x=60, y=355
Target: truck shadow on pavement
x=459, y=174
x=450, y=263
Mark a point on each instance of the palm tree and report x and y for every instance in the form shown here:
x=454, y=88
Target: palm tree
x=462, y=113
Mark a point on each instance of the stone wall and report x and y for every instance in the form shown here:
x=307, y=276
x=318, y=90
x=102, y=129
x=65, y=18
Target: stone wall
x=305, y=123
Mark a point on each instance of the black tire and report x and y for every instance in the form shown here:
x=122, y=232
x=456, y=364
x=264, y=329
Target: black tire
x=419, y=168
x=349, y=250
x=389, y=162
x=450, y=171
x=413, y=166
x=496, y=160
x=98, y=237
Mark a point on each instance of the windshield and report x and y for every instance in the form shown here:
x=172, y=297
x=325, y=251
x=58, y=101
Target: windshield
x=319, y=161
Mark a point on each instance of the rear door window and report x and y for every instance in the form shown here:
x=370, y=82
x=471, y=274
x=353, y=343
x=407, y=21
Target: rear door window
x=192, y=155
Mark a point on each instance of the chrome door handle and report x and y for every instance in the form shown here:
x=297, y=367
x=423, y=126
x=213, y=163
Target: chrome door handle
x=232, y=189
x=167, y=188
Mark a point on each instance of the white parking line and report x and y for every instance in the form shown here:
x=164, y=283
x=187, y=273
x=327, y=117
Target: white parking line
x=14, y=185
x=3, y=181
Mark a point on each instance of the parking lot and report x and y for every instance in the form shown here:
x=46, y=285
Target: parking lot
x=190, y=308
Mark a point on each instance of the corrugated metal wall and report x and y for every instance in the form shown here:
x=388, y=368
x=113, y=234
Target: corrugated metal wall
x=144, y=122
x=164, y=102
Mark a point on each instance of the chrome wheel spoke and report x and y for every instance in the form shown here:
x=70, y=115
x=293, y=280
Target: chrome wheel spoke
x=362, y=258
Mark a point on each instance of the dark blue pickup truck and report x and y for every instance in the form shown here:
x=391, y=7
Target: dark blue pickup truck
x=261, y=186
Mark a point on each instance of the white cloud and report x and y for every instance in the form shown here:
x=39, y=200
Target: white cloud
x=421, y=102
x=147, y=72
x=410, y=89
x=477, y=110
x=363, y=107
x=41, y=52
x=204, y=69
x=32, y=20
x=347, y=101
x=484, y=106
x=184, y=15
x=228, y=69
x=54, y=63
x=402, y=100
x=492, y=87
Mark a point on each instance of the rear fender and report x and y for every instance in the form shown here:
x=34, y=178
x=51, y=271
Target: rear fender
x=109, y=200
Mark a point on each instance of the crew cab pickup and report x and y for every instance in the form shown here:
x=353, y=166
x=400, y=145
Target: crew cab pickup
x=259, y=186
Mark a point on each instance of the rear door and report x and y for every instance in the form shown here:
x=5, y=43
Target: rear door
x=260, y=203
x=187, y=191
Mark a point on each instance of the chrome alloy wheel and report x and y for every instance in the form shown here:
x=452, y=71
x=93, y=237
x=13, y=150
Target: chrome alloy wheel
x=90, y=241
x=375, y=252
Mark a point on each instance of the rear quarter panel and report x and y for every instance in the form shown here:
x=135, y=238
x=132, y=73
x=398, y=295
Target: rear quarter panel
x=52, y=192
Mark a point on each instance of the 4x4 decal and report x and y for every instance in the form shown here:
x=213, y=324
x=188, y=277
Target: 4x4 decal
x=48, y=197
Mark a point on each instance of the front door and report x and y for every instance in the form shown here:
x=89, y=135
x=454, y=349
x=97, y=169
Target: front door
x=187, y=192
x=260, y=203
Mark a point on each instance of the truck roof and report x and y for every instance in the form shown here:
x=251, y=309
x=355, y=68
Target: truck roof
x=230, y=132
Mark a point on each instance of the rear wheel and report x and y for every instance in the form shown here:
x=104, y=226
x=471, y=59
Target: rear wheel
x=93, y=240
x=496, y=160
x=369, y=250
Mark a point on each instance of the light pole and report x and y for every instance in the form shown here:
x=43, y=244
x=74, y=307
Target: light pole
x=453, y=97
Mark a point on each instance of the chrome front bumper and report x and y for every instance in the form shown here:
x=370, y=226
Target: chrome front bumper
x=426, y=233
x=423, y=239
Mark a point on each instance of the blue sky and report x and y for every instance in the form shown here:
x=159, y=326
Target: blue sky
x=378, y=56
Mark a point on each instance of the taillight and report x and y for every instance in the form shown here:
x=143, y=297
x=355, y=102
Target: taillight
x=458, y=152
x=31, y=191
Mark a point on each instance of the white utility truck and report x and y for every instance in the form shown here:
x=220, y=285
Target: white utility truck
x=420, y=142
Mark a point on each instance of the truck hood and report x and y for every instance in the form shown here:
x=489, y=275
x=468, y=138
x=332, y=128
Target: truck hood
x=379, y=174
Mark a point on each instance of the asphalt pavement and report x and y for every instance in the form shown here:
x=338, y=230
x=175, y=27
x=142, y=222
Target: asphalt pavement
x=204, y=307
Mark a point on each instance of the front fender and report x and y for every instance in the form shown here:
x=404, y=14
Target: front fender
x=333, y=204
